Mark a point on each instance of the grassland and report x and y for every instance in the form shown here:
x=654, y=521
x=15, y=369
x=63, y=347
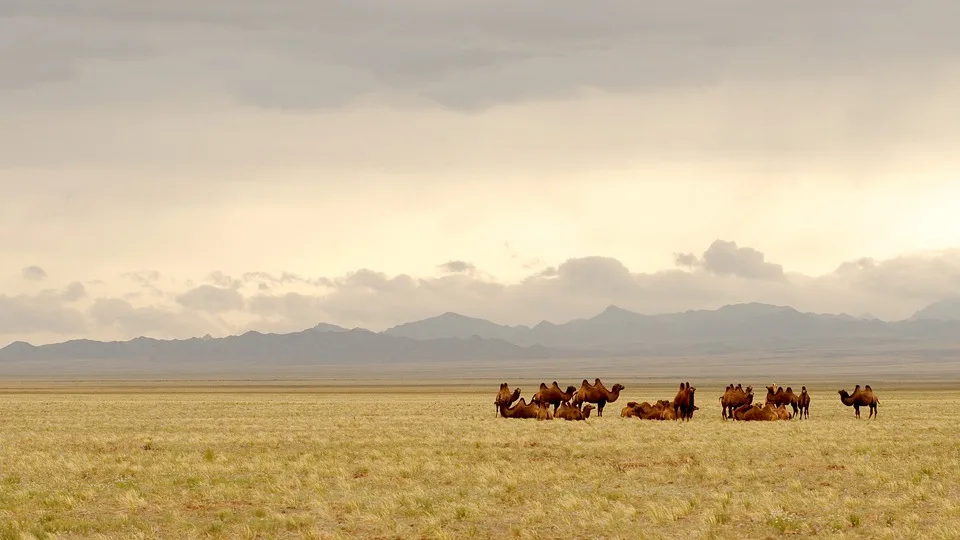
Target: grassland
x=381, y=463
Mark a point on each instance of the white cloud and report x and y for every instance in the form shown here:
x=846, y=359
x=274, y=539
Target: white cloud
x=578, y=287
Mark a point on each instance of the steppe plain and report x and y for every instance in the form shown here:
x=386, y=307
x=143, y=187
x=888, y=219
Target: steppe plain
x=328, y=459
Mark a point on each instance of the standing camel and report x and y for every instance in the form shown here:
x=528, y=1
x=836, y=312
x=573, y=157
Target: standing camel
x=803, y=403
x=861, y=398
x=596, y=393
x=553, y=395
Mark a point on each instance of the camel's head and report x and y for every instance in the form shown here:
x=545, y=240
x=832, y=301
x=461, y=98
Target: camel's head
x=772, y=389
x=586, y=410
x=749, y=389
x=691, y=389
x=843, y=393
x=617, y=388
x=803, y=389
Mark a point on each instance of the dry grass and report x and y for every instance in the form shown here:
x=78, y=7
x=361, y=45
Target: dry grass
x=442, y=466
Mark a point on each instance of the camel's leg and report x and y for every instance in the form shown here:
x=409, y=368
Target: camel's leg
x=795, y=408
x=600, y=405
x=856, y=411
x=555, y=407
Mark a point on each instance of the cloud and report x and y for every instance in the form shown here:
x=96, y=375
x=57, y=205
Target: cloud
x=73, y=292
x=33, y=273
x=725, y=258
x=210, y=299
x=468, y=54
x=131, y=321
x=725, y=273
x=457, y=267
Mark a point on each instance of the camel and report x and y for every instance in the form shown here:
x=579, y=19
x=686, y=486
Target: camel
x=553, y=395
x=779, y=396
x=596, y=393
x=504, y=396
x=756, y=413
x=782, y=412
x=569, y=412
x=521, y=410
x=861, y=398
x=733, y=397
x=683, y=404
x=645, y=411
x=803, y=403
x=543, y=411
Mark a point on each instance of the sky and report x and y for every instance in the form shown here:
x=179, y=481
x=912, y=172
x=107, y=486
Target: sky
x=181, y=168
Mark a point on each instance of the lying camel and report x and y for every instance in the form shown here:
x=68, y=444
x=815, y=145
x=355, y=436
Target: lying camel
x=521, y=410
x=504, y=396
x=543, y=411
x=783, y=413
x=553, y=395
x=733, y=397
x=596, y=393
x=861, y=398
x=803, y=403
x=645, y=411
x=569, y=412
x=683, y=403
x=756, y=413
x=779, y=396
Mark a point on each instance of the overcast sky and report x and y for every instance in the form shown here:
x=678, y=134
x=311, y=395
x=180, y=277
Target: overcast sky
x=176, y=168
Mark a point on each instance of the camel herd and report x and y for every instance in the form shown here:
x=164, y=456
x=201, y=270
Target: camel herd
x=736, y=403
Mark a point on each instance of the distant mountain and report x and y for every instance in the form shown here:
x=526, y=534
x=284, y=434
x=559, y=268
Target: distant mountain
x=300, y=348
x=326, y=327
x=741, y=330
x=947, y=309
x=740, y=325
x=454, y=325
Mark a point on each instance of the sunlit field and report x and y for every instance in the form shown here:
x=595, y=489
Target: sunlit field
x=394, y=464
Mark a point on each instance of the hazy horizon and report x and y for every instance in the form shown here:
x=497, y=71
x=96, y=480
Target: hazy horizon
x=179, y=169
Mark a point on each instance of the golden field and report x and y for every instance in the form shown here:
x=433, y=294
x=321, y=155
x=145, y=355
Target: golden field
x=422, y=463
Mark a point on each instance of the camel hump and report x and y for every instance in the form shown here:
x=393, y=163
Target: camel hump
x=868, y=387
x=543, y=386
x=789, y=389
x=597, y=381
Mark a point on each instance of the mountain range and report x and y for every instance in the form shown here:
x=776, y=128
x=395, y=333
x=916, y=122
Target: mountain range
x=452, y=339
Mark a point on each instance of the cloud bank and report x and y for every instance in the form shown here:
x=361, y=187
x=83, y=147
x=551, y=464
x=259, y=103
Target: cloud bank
x=724, y=273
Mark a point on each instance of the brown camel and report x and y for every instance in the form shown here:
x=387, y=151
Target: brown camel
x=596, y=393
x=645, y=411
x=779, y=396
x=803, y=403
x=756, y=413
x=861, y=398
x=783, y=413
x=521, y=410
x=733, y=397
x=505, y=396
x=543, y=411
x=553, y=395
x=569, y=412
x=683, y=403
